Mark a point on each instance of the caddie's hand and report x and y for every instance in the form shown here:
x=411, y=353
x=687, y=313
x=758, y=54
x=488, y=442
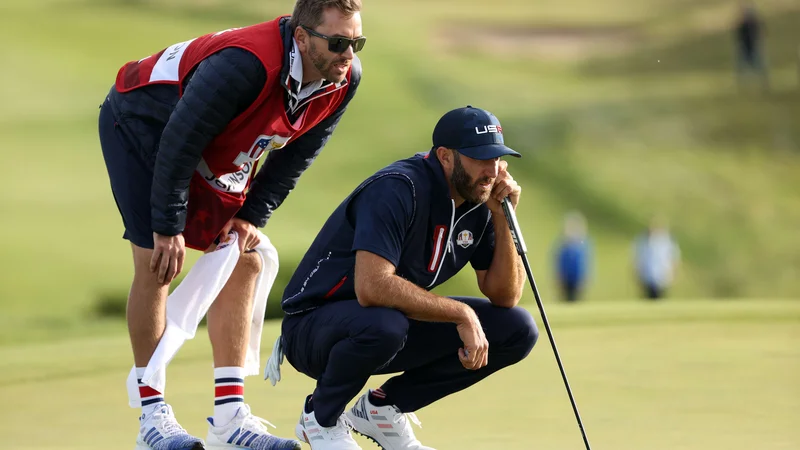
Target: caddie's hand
x=504, y=186
x=475, y=352
x=168, y=255
x=248, y=237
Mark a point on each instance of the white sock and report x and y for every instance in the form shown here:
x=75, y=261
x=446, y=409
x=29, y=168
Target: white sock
x=151, y=398
x=228, y=393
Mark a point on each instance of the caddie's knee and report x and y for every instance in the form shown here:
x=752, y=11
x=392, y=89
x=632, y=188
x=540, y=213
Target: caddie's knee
x=143, y=277
x=249, y=264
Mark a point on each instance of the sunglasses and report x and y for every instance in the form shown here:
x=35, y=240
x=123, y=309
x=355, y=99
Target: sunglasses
x=338, y=44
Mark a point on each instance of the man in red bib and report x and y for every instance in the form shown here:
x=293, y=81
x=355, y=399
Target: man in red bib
x=182, y=133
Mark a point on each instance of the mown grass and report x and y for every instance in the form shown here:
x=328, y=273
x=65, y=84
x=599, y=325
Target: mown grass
x=681, y=375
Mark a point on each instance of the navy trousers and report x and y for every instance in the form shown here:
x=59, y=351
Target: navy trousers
x=342, y=344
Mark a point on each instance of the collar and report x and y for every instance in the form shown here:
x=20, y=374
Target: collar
x=441, y=190
x=435, y=166
x=295, y=84
x=440, y=186
x=288, y=39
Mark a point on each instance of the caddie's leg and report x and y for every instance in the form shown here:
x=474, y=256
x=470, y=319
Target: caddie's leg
x=146, y=314
x=230, y=314
x=147, y=307
x=229, y=321
x=131, y=178
x=229, y=330
x=430, y=361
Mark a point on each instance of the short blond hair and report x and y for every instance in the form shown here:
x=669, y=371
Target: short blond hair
x=309, y=12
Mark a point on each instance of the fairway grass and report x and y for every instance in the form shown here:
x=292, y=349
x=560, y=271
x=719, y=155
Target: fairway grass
x=676, y=375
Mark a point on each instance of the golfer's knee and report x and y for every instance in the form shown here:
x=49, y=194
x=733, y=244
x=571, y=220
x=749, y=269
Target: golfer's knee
x=523, y=332
x=385, y=333
x=249, y=264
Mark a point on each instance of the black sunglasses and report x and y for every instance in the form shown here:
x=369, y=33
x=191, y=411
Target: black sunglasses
x=338, y=44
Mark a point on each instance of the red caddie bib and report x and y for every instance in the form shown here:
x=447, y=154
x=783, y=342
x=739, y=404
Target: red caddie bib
x=218, y=187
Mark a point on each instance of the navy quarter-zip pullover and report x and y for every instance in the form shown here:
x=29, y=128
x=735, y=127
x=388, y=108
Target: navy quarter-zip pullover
x=405, y=214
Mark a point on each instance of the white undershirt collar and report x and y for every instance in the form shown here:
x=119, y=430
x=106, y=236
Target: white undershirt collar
x=296, y=72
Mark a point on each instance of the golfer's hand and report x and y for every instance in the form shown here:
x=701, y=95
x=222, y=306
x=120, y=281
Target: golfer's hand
x=504, y=186
x=475, y=353
x=168, y=256
x=248, y=237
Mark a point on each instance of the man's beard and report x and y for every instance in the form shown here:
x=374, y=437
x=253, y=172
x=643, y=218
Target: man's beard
x=469, y=190
x=324, y=66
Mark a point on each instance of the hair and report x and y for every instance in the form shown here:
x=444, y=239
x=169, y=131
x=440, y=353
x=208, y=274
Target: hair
x=309, y=12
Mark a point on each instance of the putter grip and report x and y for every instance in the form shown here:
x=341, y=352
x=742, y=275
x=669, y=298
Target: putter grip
x=513, y=225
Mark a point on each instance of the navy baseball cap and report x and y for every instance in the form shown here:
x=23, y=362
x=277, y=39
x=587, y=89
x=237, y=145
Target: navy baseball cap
x=473, y=132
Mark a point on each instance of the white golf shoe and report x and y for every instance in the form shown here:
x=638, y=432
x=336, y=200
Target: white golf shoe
x=337, y=437
x=160, y=431
x=385, y=425
x=246, y=431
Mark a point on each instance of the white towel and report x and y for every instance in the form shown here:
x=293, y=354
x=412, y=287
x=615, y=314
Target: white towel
x=190, y=301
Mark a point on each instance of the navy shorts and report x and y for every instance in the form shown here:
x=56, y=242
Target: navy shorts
x=131, y=179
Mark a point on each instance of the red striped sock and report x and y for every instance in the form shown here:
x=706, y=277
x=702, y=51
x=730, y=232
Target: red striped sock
x=150, y=397
x=228, y=393
x=378, y=398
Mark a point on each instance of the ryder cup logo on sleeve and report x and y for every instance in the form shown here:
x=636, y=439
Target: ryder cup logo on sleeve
x=464, y=239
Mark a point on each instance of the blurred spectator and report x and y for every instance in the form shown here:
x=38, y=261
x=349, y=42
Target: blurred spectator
x=656, y=256
x=572, y=257
x=748, y=35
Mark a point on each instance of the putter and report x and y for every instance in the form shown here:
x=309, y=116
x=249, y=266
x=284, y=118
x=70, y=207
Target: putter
x=511, y=218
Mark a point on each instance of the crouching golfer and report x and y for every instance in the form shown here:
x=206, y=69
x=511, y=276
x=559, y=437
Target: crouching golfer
x=359, y=303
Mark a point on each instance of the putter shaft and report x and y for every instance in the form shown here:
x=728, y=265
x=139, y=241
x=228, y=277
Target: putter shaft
x=511, y=218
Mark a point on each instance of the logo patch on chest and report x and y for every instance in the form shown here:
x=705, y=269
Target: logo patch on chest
x=465, y=239
x=262, y=144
